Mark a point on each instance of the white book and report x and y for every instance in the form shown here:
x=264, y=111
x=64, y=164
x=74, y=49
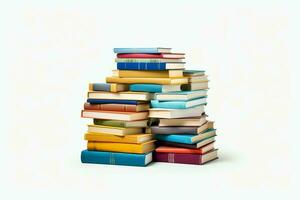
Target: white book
x=183, y=95
x=139, y=96
x=176, y=113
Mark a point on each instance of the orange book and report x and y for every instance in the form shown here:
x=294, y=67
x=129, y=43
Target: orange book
x=202, y=150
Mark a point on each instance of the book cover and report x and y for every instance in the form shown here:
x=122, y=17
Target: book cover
x=178, y=104
x=113, y=158
x=148, y=55
x=149, y=66
x=155, y=88
x=196, y=159
x=114, y=101
x=110, y=87
x=119, y=123
x=172, y=81
x=201, y=150
x=183, y=145
x=180, y=138
x=135, y=138
x=143, y=50
x=121, y=147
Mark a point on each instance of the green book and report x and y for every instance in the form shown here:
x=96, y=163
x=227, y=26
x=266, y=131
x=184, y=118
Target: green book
x=119, y=123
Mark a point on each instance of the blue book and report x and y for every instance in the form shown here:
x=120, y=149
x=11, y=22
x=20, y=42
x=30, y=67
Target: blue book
x=114, y=158
x=143, y=50
x=178, y=104
x=116, y=101
x=149, y=66
x=181, y=138
x=153, y=88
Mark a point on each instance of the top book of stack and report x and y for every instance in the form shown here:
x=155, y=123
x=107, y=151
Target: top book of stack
x=148, y=59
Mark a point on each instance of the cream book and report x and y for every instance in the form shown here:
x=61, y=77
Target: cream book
x=194, y=86
x=197, y=121
x=112, y=115
x=138, y=96
x=147, y=74
x=113, y=130
x=176, y=113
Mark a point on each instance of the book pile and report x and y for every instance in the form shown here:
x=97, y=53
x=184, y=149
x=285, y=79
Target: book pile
x=120, y=108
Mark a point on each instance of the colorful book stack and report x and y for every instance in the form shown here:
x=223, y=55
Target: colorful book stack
x=120, y=108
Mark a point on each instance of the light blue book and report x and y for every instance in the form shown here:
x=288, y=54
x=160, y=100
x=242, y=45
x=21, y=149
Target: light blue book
x=178, y=104
x=153, y=88
x=115, y=158
x=143, y=50
x=180, y=138
x=181, y=96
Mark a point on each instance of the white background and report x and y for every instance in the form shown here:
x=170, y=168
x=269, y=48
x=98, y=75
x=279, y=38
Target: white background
x=51, y=51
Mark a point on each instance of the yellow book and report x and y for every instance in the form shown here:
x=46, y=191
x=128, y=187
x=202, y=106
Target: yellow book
x=166, y=81
x=136, y=138
x=147, y=74
x=114, y=130
x=122, y=147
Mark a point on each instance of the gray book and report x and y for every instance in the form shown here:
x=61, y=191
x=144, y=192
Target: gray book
x=182, y=129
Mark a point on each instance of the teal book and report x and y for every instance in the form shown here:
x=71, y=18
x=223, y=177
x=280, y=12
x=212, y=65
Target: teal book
x=155, y=88
x=178, y=104
x=190, y=73
x=155, y=50
x=115, y=158
x=180, y=138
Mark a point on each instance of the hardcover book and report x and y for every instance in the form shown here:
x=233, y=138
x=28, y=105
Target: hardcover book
x=143, y=50
x=201, y=150
x=176, y=113
x=147, y=60
x=156, y=88
x=182, y=95
x=185, y=138
x=119, y=123
x=113, y=130
x=163, y=81
x=149, y=66
x=195, y=121
x=114, y=115
x=139, y=96
x=112, y=158
x=178, y=104
x=197, y=145
x=145, y=147
x=117, y=107
x=135, y=138
x=194, y=86
x=147, y=74
x=151, y=55
x=196, y=159
x=110, y=87
x=182, y=129
x=191, y=73
x=197, y=79
x=114, y=101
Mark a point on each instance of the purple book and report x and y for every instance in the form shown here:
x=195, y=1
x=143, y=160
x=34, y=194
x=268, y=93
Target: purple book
x=194, y=159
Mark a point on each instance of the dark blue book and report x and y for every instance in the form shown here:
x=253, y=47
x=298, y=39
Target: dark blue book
x=116, y=101
x=115, y=158
x=149, y=66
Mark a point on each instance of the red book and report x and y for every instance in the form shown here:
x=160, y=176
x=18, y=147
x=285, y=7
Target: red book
x=201, y=150
x=117, y=107
x=147, y=55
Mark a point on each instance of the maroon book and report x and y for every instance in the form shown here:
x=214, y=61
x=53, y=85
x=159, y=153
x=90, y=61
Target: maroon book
x=194, y=159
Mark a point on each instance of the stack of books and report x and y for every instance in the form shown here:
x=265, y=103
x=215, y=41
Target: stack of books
x=124, y=124
x=184, y=134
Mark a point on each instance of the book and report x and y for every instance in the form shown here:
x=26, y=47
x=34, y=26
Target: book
x=149, y=66
x=176, y=113
x=147, y=60
x=147, y=74
x=201, y=150
x=178, y=104
x=208, y=126
x=152, y=55
x=196, y=159
x=185, y=138
x=143, y=50
x=117, y=107
x=191, y=73
x=121, y=131
x=114, y=115
x=135, y=138
x=118, y=123
x=197, y=145
x=110, y=87
x=114, y=101
x=163, y=81
x=138, y=96
x=196, y=121
x=182, y=95
x=197, y=79
x=112, y=158
x=153, y=88
x=145, y=147
x=194, y=86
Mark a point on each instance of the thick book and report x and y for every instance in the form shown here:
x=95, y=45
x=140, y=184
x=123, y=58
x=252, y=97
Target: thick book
x=178, y=104
x=196, y=121
x=197, y=145
x=192, y=73
x=113, y=158
x=114, y=115
x=143, y=50
x=163, y=81
x=156, y=88
x=198, y=79
x=195, y=159
x=147, y=60
x=117, y=107
x=115, y=101
x=149, y=66
x=122, y=147
x=114, y=130
x=135, y=138
x=182, y=95
x=201, y=150
x=109, y=87
x=120, y=123
x=147, y=74
x=152, y=55
x=194, y=86
x=185, y=138
x=176, y=113
x=138, y=96
x=182, y=129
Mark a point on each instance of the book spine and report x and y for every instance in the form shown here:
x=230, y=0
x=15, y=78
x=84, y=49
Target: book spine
x=168, y=104
x=141, y=66
x=112, y=101
x=99, y=86
x=109, y=123
x=173, y=138
x=173, y=130
x=139, y=55
x=136, y=50
x=111, y=107
x=176, y=144
x=178, y=158
x=145, y=88
x=111, y=158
